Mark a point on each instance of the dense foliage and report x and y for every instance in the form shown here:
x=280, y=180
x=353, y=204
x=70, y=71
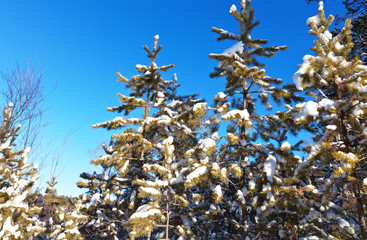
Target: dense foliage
x=235, y=169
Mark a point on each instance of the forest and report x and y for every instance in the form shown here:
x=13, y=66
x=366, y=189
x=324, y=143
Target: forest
x=263, y=160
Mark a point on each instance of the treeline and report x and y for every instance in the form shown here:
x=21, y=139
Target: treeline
x=187, y=169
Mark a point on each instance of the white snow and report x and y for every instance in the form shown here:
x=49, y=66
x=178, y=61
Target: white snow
x=309, y=109
x=145, y=211
x=236, y=48
x=251, y=184
x=315, y=19
x=215, y=136
x=331, y=127
x=285, y=146
x=198, y=107
x=241, y=197
x=10, y=229
x=151, y=191
x=269, y=167
x=305, y=66
x=218, y=191
x=197, y=173
x=207, y=144
x=233, y=9
x=220, y=96
x=235, y=114
x=326, y=103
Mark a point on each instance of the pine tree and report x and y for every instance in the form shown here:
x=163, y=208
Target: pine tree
x=334, y=170
x=254, y=166
x=18, y=217
x=147, y=165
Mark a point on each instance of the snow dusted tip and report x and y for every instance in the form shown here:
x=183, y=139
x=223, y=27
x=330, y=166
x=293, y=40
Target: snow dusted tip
x=315, y=19
x=233, y=9
x=156, y=37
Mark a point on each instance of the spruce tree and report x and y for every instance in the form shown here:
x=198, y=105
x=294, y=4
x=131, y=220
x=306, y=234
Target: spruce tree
x=254, y=165
x=146, y=165
x=18, y=215
x=333, y=171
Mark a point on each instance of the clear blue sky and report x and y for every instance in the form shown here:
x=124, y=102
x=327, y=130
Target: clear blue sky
x=82, y=44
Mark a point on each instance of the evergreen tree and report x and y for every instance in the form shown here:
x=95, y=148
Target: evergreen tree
x=18, y=217
x=253, y=163
x=334, y=170
x=145, y=166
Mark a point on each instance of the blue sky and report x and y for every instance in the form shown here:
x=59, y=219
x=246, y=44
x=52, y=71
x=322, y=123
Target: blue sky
x=80, y=45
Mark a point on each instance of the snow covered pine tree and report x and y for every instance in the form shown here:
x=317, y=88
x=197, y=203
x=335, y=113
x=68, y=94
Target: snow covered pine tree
x=254, y=162
x=334, y=171
x=18, y=218
x=145, y=167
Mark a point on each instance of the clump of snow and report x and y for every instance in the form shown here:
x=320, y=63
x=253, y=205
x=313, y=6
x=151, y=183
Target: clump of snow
x=252, y=184
x=326, y=103
x=235, y=114
x=196, y=174
x=160, y=98
x=220, y=96
x=215, y=136
x=315, y=19
x=207, y=145
x=328, y=35
x=199, y=107
x=236, y=48
x=331, y=127
x=305, y=66
x=269, y=167
x=144, y=212
x=309, y=109
x=233, y=9
x=218, y=192
x=285, y=146
x=241, y=197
